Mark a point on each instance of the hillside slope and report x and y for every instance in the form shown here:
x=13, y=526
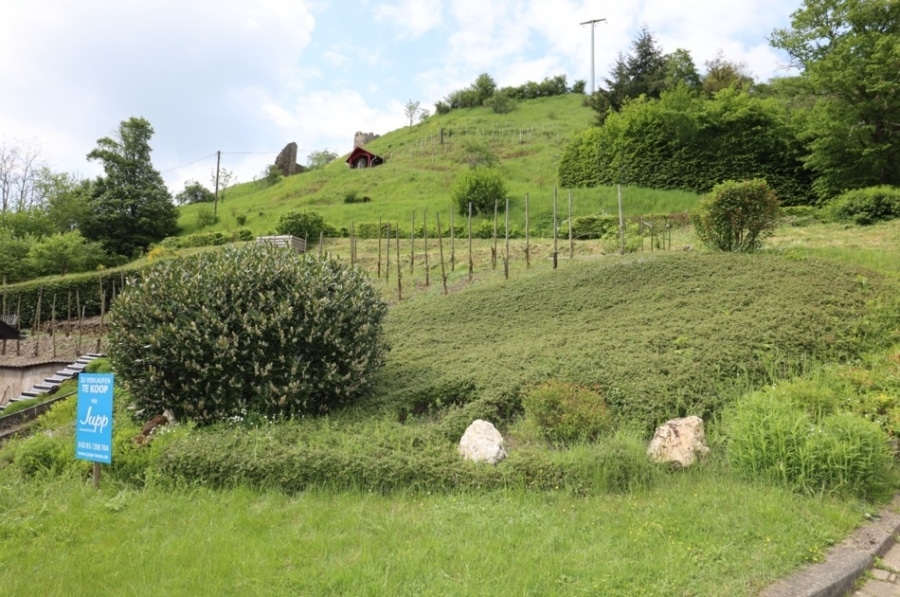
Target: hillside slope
x=420, y=170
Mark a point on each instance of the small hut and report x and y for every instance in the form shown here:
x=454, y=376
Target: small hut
x=361, y=158
x=8, y=332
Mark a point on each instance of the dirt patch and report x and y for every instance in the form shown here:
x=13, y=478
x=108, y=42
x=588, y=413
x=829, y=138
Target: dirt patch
x=64, y=343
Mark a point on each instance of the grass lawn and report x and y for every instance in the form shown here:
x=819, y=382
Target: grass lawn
x=700, y=534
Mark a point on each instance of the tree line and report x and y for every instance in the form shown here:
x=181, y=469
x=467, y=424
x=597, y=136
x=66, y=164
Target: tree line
x=812, y=136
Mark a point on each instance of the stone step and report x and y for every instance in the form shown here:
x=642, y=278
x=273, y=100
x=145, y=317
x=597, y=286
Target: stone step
x=66, y=373
x=46, y=387
x=57, y=379
x=32, y=393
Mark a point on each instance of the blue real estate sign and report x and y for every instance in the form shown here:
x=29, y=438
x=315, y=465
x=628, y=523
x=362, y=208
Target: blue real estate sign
x=93, y=426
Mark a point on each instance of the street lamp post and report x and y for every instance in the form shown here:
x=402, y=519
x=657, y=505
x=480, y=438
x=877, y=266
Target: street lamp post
x=593, y=24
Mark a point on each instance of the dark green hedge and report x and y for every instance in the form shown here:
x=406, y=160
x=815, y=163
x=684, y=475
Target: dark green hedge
x=71, y=290
x=686, y=142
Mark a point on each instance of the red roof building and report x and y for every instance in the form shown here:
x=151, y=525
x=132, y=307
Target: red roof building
x=360, y=158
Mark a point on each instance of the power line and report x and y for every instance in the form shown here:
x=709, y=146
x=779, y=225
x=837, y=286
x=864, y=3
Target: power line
x=212, y=155
x=206, y=157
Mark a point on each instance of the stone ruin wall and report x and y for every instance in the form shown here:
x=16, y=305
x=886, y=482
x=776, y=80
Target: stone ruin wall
x=360, y=138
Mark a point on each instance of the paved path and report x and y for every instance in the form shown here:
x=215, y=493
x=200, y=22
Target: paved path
x=885, y=576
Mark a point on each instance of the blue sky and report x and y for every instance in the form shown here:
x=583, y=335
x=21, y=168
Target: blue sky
x=248, y=76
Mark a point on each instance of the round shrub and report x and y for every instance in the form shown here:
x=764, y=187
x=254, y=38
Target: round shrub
x=483, y=188
x=253, y=329
x=303, y=224
x=565, y=412
x=866, y=206
x=737, y=216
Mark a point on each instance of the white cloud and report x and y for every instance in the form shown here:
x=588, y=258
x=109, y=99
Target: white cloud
x=412, y=17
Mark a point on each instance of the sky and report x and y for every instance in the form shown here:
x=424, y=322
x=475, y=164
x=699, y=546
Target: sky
x=247, y=77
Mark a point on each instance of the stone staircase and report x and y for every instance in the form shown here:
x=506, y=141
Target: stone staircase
x=52, y=383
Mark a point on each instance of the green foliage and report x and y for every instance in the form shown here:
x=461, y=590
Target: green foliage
x=14, y=407
x=206, y=217
x=483, y=188
x=567, y=413
x=684, y=141
x=595, y=226
x=737, y=216
x=477, y=154
x=848, y=53
x=304, y=223
x=207, y=239
x=42, y=455
x=725, y=74
x=14, y=265
x=320, y=158
x=194, y=192
x=83, y=288
x=130, y=207
x=500, y=102
x=865, y=206
x=643, y=72
x=703, y=326
x=253, y=329
x=272, y=175
x=775, y=439
x=65, y=253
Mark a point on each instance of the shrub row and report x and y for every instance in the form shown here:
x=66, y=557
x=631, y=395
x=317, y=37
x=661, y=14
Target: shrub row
x=207, y=239
x=865, y=206
x=82, y=289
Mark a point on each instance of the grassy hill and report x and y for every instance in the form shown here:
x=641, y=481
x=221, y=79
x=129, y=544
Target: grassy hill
x=420, y=171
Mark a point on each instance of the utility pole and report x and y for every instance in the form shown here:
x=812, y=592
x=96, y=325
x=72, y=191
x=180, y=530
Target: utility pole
x=593, y=24
x=216, y=199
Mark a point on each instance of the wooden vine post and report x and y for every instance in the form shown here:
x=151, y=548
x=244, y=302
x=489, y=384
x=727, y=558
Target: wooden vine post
x=494, y=243
x=425, y=239
x=379, y=248
x=53, y=325
x=555, y=229
x=571, y=240
x=412, y=251
x=35, y=329
x=527, y=237
x=471, y=263
x=399, y=272
x=452, y=244
x=441, y=249
x=387, y=253
x=506, y=257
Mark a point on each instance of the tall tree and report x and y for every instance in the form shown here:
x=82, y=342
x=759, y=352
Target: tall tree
x=681, y=70
x=642, y=72
x=410, y=110
x=722, y=73
x=850, y=55
x=130, y=207
x=19, y=168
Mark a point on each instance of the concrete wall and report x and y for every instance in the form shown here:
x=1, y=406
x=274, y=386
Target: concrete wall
x=13, y=380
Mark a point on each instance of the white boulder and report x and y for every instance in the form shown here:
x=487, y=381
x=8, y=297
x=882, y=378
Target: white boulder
x=679, y=441
x=482, y=443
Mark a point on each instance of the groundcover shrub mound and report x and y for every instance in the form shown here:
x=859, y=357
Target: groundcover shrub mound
x=253, y=329
x=660, y=335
